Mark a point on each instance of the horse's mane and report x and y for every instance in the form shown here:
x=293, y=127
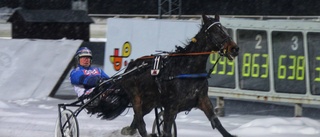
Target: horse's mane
x=189, y=43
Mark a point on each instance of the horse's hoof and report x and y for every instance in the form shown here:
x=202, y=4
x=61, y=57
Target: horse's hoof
x=128, y=131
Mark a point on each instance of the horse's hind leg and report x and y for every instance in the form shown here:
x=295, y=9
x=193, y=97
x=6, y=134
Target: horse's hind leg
x=130, y=130
x=206, y=106
x=138, y=121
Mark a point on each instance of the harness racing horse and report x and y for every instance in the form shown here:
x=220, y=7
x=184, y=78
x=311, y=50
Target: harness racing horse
x=182, y=81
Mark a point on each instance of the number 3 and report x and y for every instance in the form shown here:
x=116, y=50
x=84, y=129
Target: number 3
x=295, y=44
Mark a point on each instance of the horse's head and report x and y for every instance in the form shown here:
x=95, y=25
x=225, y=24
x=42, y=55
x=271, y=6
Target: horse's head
x=218, y=38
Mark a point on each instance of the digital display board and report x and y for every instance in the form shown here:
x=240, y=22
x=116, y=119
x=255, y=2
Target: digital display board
x=223, y=74
x=289, y=62
x=314, y=61
x=253, y=60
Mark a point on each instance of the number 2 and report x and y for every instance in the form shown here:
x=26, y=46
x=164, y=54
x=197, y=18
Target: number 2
x=259, y=39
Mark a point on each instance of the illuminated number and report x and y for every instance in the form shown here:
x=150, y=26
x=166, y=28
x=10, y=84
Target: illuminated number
x=259, y=39
x=251, y=67
x=282, y=68
x=300, y=68
x=223, y=63
x=255, y=67
x=265, y=66
x=246, y=65
x=318, y=69
x=231, y=64
x=292, y=67
x=295, y=44
x=297, y=68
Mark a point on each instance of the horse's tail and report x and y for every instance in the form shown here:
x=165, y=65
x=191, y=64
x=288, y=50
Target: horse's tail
x=111, y=103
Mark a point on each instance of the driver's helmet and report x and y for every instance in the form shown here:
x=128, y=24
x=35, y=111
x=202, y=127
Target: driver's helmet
x=83, y=52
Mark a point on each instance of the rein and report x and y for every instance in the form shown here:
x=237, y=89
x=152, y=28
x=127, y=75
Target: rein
x=181, y=54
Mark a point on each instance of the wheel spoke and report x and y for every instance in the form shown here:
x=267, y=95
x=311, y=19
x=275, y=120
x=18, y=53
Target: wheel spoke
x=68, y=123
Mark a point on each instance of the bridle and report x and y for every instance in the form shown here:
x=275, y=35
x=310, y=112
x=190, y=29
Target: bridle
x=222, y=50
x=214, y=23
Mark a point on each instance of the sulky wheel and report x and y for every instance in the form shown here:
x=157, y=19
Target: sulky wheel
x=157, y=127
x=67, y=125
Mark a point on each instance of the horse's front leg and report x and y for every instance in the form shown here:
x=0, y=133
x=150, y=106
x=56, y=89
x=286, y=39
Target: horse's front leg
x=206, y=106
x=168, y=119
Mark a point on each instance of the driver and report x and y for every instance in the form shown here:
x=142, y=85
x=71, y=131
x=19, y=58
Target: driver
x=84, y=77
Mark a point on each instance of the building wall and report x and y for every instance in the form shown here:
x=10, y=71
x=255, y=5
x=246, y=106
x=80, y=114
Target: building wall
x=50, y=31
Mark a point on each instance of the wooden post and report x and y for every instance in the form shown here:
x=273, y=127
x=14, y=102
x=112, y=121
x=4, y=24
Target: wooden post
x=219, y=110
x=298, y=110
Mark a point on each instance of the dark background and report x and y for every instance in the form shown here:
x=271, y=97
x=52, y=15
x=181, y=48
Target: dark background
x=189, y=7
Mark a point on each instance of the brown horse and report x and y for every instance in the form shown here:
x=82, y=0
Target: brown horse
x=182, y=82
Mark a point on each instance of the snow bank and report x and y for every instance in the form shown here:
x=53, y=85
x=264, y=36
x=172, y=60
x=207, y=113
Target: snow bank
x=299, y=126
x=31, y=68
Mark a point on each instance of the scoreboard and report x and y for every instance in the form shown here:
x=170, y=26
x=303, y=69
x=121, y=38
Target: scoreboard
x=253, y=60
x=314, y=61
x=273, y=59
x=289, y=62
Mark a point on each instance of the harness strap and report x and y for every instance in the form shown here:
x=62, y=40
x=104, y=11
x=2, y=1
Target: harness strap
x=199, y=75
x=210, y=71
x=156, y=66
